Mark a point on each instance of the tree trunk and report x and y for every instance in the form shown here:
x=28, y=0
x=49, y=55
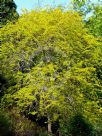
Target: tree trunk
x=49, y=127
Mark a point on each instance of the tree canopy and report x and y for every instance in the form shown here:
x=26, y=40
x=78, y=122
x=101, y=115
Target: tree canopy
x=51, y=65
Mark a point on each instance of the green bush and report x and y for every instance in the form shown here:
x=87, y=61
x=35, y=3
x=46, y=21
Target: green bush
x=79, y=126
x=6, y=124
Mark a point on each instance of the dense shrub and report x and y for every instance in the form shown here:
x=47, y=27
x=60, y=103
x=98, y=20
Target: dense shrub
x=79, y=126
x=6, y=124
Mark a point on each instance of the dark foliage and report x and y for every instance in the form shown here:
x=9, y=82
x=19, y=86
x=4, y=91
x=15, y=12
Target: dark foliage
x=7, y=11
x=3, y=84
x=79, y=126
x=6, y=124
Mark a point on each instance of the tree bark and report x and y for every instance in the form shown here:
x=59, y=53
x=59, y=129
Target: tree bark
x=49, y=127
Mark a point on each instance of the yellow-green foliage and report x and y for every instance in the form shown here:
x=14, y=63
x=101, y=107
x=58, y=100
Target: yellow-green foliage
x=51, y=59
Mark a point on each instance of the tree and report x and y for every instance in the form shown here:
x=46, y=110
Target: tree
x=83, y=6
x=52, y=66
x=7, y=11
x=93, y=22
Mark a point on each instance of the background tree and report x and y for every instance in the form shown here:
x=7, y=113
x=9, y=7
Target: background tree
x=7, y=11
x=82, y=6
x=94, y=22
x=94, y=11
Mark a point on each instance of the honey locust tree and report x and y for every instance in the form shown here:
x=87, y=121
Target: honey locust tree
x=49, y=59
